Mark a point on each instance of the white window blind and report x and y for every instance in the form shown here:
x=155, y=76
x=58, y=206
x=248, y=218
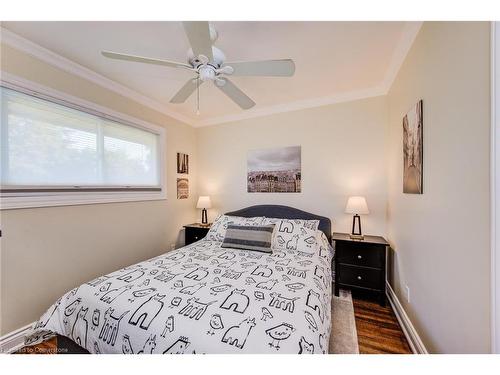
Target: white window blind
x=46, y=146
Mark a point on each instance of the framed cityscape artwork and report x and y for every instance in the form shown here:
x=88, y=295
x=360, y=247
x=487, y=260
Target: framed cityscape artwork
x=275, y=170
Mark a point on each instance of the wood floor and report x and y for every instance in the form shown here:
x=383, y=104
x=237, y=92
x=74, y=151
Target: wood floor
x=378, y=329
x=378, y=333
x=46, y=347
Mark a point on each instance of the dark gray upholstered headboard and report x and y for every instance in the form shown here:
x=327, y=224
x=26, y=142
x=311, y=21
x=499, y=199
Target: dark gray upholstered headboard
x=284, y=212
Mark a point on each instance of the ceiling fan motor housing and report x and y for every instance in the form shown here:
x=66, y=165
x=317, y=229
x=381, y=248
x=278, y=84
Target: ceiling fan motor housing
x=207, y=70
x=196, y=61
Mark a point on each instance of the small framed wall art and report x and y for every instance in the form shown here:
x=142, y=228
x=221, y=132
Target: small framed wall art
x=182, y=188
x=182, y=163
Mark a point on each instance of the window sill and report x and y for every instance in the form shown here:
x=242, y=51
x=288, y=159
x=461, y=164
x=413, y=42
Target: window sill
x=72, y=199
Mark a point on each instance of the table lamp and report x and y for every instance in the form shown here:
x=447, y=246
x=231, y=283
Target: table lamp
x=356, y=206
x=204, y=203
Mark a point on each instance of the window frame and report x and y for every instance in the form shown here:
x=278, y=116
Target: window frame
x=48, y=196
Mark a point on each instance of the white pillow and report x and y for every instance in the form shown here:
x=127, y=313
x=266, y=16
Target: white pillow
x=324, y=247
x=311, y=224
x=217, y=231
x=296, y=235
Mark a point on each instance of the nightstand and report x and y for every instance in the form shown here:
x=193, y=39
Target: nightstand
x=195, y=232
x=360, y=264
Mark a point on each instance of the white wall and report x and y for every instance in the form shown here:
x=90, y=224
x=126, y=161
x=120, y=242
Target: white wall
x=440, y=239
x=342, y=155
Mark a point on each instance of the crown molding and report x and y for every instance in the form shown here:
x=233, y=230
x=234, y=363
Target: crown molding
x=407, y=38
x=293, y=106
x=18, y=42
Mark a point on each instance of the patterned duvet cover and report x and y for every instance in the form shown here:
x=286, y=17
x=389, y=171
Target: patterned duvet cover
x=201, y=299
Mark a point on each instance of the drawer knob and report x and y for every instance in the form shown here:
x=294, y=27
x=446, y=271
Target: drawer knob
x=360, y=257
x=359, y=277
x=195, y=238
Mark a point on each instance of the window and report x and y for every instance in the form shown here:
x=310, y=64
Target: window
x=52, y=149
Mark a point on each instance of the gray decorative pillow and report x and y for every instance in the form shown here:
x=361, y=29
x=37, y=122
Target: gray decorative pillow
x=217, y=231
x=255, y=238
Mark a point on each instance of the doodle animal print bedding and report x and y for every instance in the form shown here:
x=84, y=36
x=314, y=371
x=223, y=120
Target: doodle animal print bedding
x=201, y=299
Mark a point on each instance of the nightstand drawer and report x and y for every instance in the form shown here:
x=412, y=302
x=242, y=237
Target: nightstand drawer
x=360, y=254
x=361, y=277
x=194, y=233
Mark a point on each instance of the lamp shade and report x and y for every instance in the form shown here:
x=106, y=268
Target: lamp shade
x=356, y=205
x=204, y=202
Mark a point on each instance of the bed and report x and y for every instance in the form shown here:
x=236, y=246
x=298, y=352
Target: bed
x=204, y=298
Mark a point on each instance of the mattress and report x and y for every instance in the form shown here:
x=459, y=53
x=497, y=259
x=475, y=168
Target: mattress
x=201, y=298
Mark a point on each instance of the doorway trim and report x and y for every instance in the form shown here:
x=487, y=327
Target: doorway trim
x=495, y=187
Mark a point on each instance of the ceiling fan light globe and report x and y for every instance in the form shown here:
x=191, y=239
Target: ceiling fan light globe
x=226, y=70
x=207, y=73
x=219, y=57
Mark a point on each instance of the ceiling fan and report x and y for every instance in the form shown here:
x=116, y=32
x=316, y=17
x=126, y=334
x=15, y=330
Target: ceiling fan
x=209, y=64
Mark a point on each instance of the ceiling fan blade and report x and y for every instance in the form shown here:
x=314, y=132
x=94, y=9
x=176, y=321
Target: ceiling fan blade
x=236, y=95
x=186, y=91
x=271, y=68
x=146, y=60
x=198, y=33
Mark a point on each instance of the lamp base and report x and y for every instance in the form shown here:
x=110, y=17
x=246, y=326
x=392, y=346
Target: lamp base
x=204, y=219
x=356, y=234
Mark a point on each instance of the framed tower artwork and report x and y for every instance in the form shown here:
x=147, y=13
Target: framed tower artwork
x=413, y=157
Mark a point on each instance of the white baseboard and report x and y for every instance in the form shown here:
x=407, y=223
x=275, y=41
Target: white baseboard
x=411, y=334
x=14, y=340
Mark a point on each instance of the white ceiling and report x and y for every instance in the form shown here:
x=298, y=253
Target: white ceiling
x=334, y=60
